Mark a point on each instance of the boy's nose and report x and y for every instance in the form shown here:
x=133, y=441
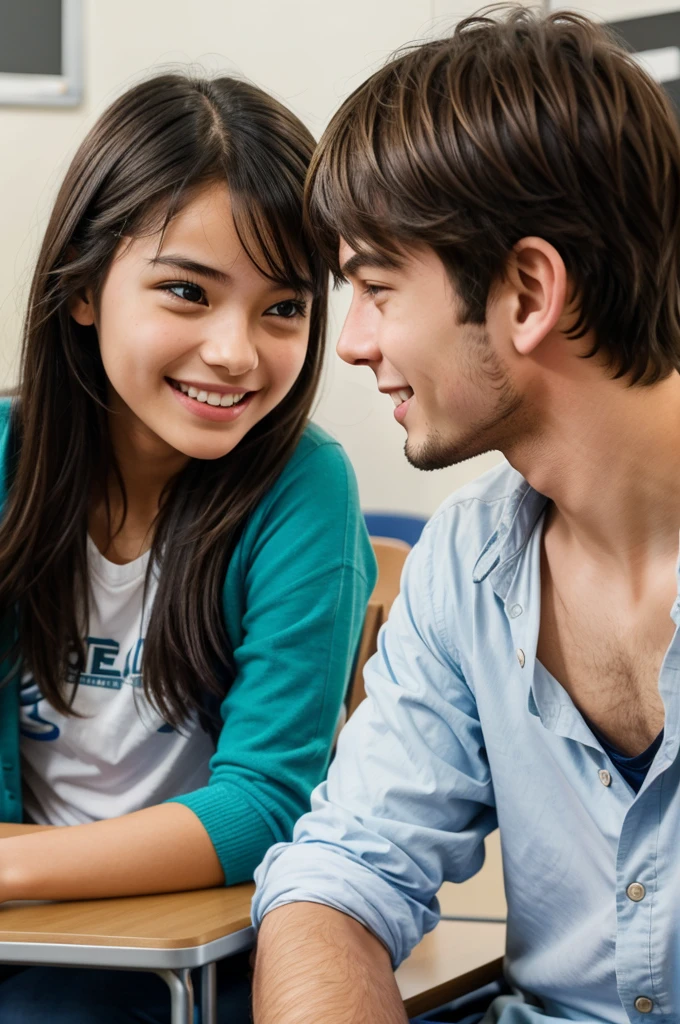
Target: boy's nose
x=358, y=343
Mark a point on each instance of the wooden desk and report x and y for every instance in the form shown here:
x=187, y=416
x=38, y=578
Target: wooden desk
x=168, y=934
x=172, y=933
x=169, y=922
x=457, y=957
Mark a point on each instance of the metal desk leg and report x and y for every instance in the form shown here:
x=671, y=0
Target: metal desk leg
x=209, y=993
x=181, y=994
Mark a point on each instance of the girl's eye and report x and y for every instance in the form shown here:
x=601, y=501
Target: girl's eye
x=288, y=309
x=372, y=290
x=186, y=291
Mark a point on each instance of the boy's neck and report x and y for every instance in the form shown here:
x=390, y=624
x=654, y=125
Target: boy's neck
x=609, y=459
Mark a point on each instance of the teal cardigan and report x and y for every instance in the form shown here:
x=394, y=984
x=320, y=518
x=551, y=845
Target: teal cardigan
x=294, y=598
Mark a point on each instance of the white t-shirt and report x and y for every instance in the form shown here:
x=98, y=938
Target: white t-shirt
x=120, y=756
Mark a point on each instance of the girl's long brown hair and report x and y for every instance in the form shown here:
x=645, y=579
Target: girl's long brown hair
x=137, y=167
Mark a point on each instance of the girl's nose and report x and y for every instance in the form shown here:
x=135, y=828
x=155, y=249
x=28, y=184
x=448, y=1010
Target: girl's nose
x=231, y=348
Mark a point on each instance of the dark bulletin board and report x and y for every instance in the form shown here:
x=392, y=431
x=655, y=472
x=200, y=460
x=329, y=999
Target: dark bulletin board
x=653, y=32
x=30, y=37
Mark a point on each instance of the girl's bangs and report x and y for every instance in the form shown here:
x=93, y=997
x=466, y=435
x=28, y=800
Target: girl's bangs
x=278, y=251
x=274, y=246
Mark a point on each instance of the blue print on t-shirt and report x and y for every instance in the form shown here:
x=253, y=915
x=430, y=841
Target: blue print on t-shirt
x=103, y=655
x=37, y=728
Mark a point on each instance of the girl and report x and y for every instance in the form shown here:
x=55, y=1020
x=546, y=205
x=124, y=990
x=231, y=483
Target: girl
x=183, y=564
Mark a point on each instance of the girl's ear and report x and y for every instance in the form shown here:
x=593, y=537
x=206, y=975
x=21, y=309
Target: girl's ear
x=81, y=307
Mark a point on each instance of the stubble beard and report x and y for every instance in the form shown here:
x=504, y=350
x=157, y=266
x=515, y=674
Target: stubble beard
x=496, y=432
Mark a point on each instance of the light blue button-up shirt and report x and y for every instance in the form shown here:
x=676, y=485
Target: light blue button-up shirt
x=464, y=730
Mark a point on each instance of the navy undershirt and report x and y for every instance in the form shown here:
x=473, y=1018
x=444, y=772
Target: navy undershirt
x=633, y=769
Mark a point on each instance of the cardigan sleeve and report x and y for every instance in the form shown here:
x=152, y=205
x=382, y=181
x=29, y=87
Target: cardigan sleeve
x=305, y=569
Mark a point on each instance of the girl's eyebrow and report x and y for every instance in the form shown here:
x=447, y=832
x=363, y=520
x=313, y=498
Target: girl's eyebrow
x=190, y=266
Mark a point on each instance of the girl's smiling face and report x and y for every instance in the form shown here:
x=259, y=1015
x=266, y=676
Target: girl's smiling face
x=198, y=345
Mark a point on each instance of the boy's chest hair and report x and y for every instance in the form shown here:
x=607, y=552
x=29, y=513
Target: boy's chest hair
x=608, y=661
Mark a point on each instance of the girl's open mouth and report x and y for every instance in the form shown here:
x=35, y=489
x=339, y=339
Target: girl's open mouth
x=210, y=405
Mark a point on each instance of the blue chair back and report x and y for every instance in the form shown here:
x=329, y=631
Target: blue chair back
x=393, y=524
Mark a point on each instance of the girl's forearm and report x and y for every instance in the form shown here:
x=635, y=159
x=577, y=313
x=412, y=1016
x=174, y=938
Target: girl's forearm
x=10, y=829
x=159, y=849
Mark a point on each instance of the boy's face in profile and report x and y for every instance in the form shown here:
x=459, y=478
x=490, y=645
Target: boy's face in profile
x=450, y=382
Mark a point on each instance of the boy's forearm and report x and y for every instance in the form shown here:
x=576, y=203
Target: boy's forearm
x=314, y=964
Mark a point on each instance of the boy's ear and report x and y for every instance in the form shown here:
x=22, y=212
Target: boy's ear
x=539, y=279
x=81, y=307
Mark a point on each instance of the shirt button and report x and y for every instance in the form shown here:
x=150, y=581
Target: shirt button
x=635, y=892
x=605, y=777
x=643, y=1004
x=520, y=657
x=516, y=611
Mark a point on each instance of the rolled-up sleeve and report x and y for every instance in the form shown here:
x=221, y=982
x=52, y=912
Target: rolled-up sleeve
x=408, y=799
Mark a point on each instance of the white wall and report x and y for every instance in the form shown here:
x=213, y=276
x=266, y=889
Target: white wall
x=617, y=10
x=309, y=53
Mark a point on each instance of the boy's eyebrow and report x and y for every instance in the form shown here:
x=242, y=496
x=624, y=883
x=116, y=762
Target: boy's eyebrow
x=190, y=266
x=361, y=260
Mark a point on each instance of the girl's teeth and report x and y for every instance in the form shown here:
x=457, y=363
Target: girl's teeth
x=210, y=397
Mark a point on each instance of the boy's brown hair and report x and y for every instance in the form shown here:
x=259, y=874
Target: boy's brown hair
x=516, y=125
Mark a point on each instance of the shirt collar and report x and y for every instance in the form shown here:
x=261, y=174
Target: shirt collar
x=521, y=511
